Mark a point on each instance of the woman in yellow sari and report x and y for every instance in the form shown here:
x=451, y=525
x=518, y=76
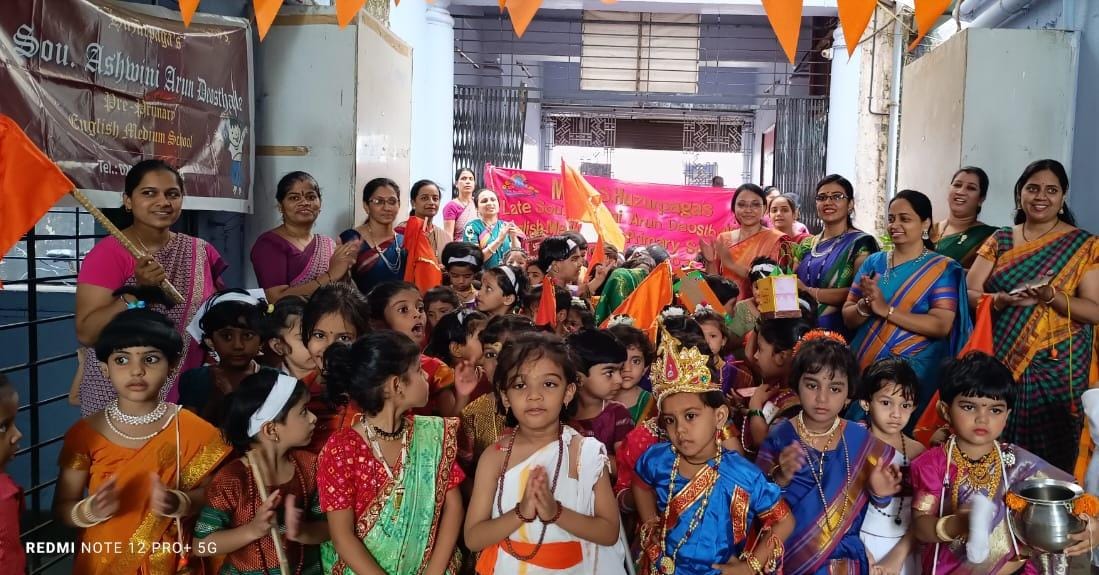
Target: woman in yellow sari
x=144, y=462
x=731, y=254
x=1042, y=275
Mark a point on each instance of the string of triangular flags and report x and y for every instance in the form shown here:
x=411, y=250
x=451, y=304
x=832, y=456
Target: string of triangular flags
x=784, y=15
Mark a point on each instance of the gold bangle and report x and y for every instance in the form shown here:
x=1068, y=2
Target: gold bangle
x=84, y=519
x=858, y=308
x=1052, y=295
x=752, y=562
x=184, y=505
x=940, y=530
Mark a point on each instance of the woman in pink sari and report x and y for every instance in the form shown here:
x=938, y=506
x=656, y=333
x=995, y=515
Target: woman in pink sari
x=460, y=211
x=290, y=259
x=154, y=197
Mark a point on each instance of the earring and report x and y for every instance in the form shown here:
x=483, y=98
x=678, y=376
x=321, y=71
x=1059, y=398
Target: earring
x=126, y=209
x=276, y=438
x=925, y=235
x=1062, y=210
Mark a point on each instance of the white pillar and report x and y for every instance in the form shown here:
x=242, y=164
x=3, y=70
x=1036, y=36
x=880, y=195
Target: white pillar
x=843, y=109
x=429, y=29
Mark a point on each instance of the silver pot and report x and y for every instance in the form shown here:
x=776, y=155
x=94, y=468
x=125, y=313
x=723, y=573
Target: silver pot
x=1047, y=521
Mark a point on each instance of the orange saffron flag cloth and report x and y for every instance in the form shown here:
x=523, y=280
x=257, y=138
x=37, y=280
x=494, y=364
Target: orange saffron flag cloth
x=30, y=184
x=583, y=203
x=422, y=268
x=644, y=305
x=547, y=304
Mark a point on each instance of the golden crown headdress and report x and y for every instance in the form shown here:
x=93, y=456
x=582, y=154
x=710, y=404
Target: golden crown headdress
x=680, y=369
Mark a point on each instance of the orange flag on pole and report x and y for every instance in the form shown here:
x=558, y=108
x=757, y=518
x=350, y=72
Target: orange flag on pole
x=187, y=9
x=584, y=203
x=421, y=267
x=347, y=9
x=854, y=16
x=927, y=13
x=547, y=304
x=30, y=184
x=646, y=302
x=785, y=18
x=265, y=10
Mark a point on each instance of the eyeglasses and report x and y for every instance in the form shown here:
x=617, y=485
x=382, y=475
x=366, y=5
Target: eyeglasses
x=391, y=202
x=836, y=198
x=749, y=206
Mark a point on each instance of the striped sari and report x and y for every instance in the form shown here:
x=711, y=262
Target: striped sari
x=1039, y=345
x=928, y=282
x=826, y=540
x=830, y=264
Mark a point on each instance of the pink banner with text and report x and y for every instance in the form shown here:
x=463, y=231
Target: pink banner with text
x=673, y=216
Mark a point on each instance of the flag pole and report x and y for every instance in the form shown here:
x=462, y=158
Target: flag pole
x=122, y=239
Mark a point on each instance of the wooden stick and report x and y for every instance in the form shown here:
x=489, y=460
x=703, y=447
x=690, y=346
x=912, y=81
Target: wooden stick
x=122, y=239
x=254, y=463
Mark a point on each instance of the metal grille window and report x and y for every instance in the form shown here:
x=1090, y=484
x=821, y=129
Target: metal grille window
x=488, y=127
x=37, y=336
x=801, y=132
x=639, y=52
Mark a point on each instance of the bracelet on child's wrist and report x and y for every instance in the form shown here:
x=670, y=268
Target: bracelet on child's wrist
x=756, y=413
x=519, y=514
x=557, y=515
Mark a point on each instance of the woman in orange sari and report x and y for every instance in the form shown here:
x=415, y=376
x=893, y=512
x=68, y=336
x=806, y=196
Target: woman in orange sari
x=732, y=253
x=144, y=462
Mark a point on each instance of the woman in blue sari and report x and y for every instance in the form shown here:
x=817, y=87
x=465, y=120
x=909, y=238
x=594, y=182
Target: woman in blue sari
x=910, y=302
x=495, y=236
x=381, y=255
x=827, y=261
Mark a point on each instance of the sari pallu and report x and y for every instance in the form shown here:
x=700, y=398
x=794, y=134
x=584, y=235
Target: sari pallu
x=928, y=471
x=741, y=500
x=917, y=286
x=826, y=540
x=831, y=265
x=619, y=285
x=476, y=232
x=129, y=536
x=376, y=265
x=962, y=247
x=1040, y=346
x=399, y=528
x=767, y=242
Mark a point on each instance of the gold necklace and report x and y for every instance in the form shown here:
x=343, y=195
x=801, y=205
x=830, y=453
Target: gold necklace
x=802, y=430
x=981, y=474
x=831, y=522
x=666, y=566
x=1022, y=232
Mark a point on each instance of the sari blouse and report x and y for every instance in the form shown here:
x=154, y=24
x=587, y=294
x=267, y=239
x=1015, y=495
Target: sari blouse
x=963, y=246
x=476, y=232
x=767, y=242
x=830, y=264
x=277, y=262
x=461, y=215
x=374, y=266
x=610, y=427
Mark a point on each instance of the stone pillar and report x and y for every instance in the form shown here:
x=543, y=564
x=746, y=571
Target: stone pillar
x=871, y=156
x=843, y=108
x=433, y=114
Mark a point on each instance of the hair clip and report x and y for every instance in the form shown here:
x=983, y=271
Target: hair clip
x=579, y=302
x=704, y=306
x=621, y=319
x=673, y=311
x=136, y=304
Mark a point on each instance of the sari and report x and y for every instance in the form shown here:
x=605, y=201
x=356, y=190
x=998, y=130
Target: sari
x=397, y=518
x=134, y=530
x=232, y=499
x=928, y=282
x=476, y=232
x=277, y=262
x=560, y=553
x=962, y=247
x=330, y=418
x=928, y=471
x=736, y=496
x=619, y=285
x=193, y=266
x=767, y=242
x=830, y=264
x=1049, y=356
x=377, y=265
x=826, y=539
x=482, y=426
x=644, y=408
x=460, y=215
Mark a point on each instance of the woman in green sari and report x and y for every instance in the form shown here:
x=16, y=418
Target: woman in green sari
x=960, y=235
x=621, y=282
x=389, y=482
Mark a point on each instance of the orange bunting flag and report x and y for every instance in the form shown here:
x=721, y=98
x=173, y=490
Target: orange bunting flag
x=785, y=18
x=422, y=268
x=584, y=203
x=187, y=9
x=651, y=296
x=598, y=256
x=347, y=9
x=927, y=13
x=547, y=305
x=522, y=12
x=694, y=291
x=854, y=16
x=30, y=184
x=265, y=10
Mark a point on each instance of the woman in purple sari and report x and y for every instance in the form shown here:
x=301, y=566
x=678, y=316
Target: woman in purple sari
x=154, y=197
x=290, y=259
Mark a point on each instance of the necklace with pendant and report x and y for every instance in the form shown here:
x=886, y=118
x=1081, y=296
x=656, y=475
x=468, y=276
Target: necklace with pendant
x=398, y=476
x=667, y=562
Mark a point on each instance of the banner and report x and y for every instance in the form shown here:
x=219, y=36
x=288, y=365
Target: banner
x=100, y=86
x=673, y=216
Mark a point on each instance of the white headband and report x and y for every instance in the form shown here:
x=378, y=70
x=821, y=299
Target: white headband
x=572, y=244
x=511, y=276
x=462, y=260
x=765, y=268
x=194, y=328
x=276, y=400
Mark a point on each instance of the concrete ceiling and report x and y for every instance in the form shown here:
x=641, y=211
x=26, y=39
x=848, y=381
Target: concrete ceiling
x=732, y=7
